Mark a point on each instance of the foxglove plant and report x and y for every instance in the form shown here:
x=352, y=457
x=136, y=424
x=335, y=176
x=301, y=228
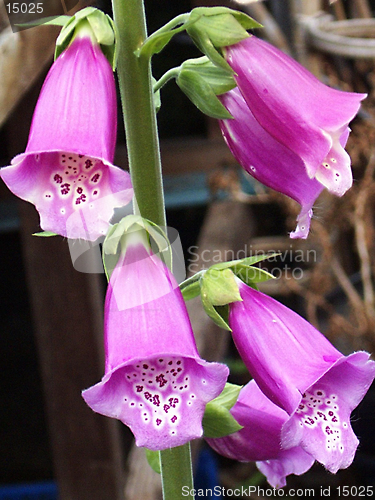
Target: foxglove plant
x=295, y=112
x=300, y=371
x=154, y=382
x=66, y=170
x=259, y=439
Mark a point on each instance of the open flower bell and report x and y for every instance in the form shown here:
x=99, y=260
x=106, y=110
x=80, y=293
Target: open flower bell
x=154, y=382
x=299, y=118
x=259, y=439
x=267, y=160
x=66, y=170
x=298, y=369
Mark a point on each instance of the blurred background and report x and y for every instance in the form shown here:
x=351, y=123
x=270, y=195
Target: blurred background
x=51, y=445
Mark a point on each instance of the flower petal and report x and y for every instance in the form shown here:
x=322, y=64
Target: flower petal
x=75, y=195
x=321, y=424
x=267, y=160
x=162, y=399
x=283, y=352
x=259, y=439
x=289, y=102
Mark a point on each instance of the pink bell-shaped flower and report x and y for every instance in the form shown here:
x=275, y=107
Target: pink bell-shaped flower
x=295, y=121
x=300, y=371
x=154, y=382
x=66, y=170
x=259, y=439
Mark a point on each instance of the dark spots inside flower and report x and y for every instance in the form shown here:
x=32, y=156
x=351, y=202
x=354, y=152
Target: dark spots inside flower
x=166, y=408
x=328, y=430
x=148, y=395
x=179, y=369
x=170, y=362
x=70, y=157
x=145, y=366
x=80, y=156
x=160, y=379
x=79, y=190
x=173, y=419
x=65, y=188
x=132, y=404
x=88, y=164
x=95, y=178
x=173, y=402
x=139, y=388
x=319, y=393
x=330, y=413
x=179, y=362
x=57, y=178
x=156, y=400
x=161, y=360
x=81, y=199
x=158, y=421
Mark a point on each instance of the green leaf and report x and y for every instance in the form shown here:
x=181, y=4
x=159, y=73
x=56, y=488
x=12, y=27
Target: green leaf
x=219, y=80
x=102, y=29
x=218, y=421
x=247, y=261
x=45, y=234
x=220, y=287
x=243, y=19
x=251, y=275
x=201, y=94
x=153, y=458
x=51, y=20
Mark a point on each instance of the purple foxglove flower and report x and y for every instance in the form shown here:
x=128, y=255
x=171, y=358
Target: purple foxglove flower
x=154, y=382
x=66, y=170
x=298, y=369
x=297, y=110
x=259, y=439
x=267, y=160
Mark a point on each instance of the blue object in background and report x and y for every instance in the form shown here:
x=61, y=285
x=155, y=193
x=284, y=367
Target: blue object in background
x=207, y=473
x=46, y=490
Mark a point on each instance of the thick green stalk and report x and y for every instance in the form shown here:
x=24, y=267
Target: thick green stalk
x=175, y=462
x=142, y=140
x=134, y=75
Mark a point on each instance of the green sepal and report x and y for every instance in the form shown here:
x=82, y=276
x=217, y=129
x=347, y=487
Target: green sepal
x=219, y=80
x=153, y=459
x=246, y=22
x=217, y=27
x=191, y=287
x=201, y=94
x=115, y=241
x=45, y=234
x=220, y=286
x=101, y=25
x=215, y=313
x=157, y=98
x=217, y=420
x=229, y=396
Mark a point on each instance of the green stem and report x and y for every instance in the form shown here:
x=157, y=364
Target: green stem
x=134, y=74
x=171, y=73
x=175, y=462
